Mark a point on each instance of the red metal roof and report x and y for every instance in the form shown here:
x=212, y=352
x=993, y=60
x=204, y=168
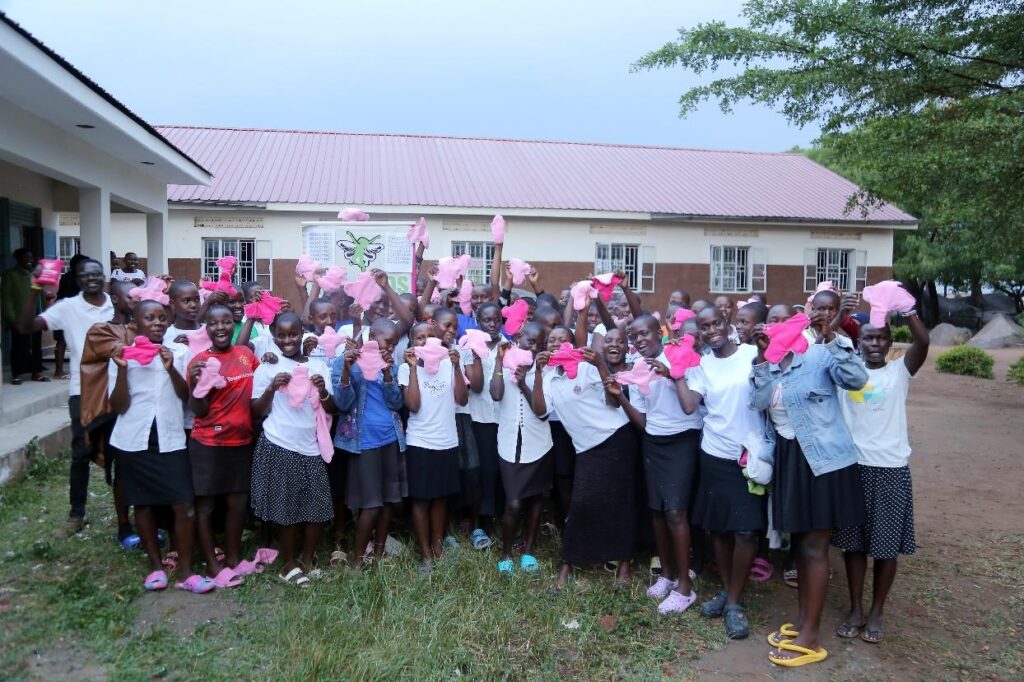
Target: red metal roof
x=366, y=170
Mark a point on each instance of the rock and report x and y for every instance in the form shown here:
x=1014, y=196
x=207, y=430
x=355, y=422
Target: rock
x=1000, y=302
x=946, y=334
x=1001, y=332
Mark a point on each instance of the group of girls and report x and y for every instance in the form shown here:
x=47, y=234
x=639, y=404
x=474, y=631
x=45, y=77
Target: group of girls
x=623, y=417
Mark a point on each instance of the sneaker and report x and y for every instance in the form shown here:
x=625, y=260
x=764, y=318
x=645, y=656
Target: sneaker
x=661, y=588
x=677, y=603
x=714, y=607
x=72, y=526
x=736, y=624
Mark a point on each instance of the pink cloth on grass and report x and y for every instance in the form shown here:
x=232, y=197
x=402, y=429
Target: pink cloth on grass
x=329, y=341
x=142, y=351
x=265, y=308
x=332, y=280
x=49, y=272
x=568, y=358
x=364, y=290
x=299, y=390
x=353, y=215
x=515, y=315
x=582, y=293
x=306, y=267
x=680, y=317
x=498, y=229
x=417, y=233
x=465, y=297
x=449, y=269
x=476, y=340
x=209, y=379
x=681, y=356
x=520, y=269
x=605, y=285
x=785, y=337
x=198, y=341
x=640, y=376
x=155, y=289
x=885, y=297
x=432, y=352
x=516, y=357
x=370, y=361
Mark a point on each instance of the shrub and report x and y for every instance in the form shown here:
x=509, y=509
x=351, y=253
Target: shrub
x=966, y=361
x=1016, y=372
x=902, y=335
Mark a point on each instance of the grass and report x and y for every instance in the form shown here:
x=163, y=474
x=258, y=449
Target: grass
x=85, y=595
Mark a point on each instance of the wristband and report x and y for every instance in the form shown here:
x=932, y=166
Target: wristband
x=910, y=313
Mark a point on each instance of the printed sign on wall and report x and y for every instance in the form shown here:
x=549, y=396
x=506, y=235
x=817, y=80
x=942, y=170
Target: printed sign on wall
x=360, y=247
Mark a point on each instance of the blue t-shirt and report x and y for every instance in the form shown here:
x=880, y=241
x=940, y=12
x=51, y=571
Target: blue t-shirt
x=378, y=422
x=465, y=322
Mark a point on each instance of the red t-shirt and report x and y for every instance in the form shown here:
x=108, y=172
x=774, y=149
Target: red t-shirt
x=229, y=421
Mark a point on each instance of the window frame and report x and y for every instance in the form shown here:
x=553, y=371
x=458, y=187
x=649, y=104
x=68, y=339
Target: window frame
x=638, y=261
x=850, y=277
x=62, y=253
x=246, y=270
x=485, y=260
x=748, y=275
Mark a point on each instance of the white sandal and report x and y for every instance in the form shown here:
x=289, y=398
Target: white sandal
x=295, y=577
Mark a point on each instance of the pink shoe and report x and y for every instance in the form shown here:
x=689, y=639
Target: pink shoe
x=155, y=581
x=265, y=555
x=661, y=588
x=197, y=584
x=246, y=567
x=228, y=578
x=676, y=603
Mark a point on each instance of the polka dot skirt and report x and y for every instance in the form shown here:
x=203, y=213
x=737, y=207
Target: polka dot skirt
x=289, y=488
x=889, y=531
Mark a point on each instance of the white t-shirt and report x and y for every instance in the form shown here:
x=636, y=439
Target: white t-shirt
x=122, y=276
x=152, y=399
x=876, y=416
x=433, y=426
x=725, y=385
x=292, y=428
x=665, y=416
x=517, y=423
x=170, y=334
x=173, y=332
x=780, y=415
x=364, y=331
x=582, y=406
x=74, y=316
x=482, y=409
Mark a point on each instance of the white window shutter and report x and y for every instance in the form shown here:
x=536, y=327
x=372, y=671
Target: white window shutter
x=602, y=258
x=715, y=271
x=758, y=270
x=810, y=269
x=648, y=262
x=861, y=276
x=264, y=263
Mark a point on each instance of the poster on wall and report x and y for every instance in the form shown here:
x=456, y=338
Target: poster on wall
x=363, y=246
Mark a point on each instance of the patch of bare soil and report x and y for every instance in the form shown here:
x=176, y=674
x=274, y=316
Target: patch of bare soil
x=63, y=662
x=950, y=614
x=182, y=612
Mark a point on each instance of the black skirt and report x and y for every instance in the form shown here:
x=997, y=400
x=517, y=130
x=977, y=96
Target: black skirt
x=492, y=495
x=337, y=474
x=432, y=473
x=522, y=481
x=724, y=503
x=289, y=488
x=802, y=501
x=150, y=478
x=563, y=450
x=220, y=470
x=888, y=530
x=670, y=467
x=599, y=526
x=377, y=477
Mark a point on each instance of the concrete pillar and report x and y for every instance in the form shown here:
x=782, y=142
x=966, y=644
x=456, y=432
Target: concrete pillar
x=94, y=224
x=156, y=256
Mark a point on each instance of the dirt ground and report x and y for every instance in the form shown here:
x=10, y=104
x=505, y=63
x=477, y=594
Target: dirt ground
x=950, y=602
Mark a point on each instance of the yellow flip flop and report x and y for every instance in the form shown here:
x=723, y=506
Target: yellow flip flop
x=785, y=630
x=807, y=655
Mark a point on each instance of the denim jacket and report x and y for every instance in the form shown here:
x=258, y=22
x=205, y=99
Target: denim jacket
x=810, y=396
x=351, y=401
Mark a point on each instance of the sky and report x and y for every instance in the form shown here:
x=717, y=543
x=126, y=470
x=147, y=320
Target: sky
x=528, y=69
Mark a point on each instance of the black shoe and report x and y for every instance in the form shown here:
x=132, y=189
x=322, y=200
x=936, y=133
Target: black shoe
x=713, y=607
x=736, y=624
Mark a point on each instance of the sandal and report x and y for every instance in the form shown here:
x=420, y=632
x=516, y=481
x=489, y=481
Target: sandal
x=806, y=655
x=871, y=636
x=783, y=634
x=529, y=563
x=339, y=558
x=16, y=382
x=265, y=555
x=155, y=581
x=130, y=541
x=170, y=561
x=847, y=631
x=480, y=539
x=218, y=554
x=246, y=567
x=655, y=567
x=295, y=577
x=196, y=584
x=761, y=571
x=506, y=567
x=791, y=577
x=62, y=377
x=41, y=378
x=228, y=578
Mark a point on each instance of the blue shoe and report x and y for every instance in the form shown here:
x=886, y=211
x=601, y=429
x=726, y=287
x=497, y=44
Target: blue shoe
x=480, y=539
x=160, y=537
x=506, y=567
x=528, y=563
x=130, y=541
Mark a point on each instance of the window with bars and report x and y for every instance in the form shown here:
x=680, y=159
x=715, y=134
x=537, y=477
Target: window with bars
x=481, y=255
x=637, y=261
x=68, y=247
x=738, y=269
x=242, y=249
x=845, y=268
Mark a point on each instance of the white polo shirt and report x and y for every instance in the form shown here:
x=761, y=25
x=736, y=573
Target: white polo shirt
x=292, y=428
x=152, y=399
x=582, y=407
x=725, y=385
x=516, y=420
x=482, y=409
x=433, y=426
x=74, y=316
x=665, y=416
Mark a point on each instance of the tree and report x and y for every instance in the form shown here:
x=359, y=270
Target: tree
x=921, y=103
